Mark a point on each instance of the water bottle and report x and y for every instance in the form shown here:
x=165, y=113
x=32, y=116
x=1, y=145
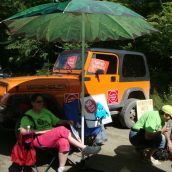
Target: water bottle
x=28, y=129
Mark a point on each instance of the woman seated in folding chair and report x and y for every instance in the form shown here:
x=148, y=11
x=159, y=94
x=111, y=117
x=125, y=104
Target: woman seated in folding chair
x=50, y=137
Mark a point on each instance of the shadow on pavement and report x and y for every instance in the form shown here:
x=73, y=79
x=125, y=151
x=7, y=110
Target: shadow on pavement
x=7, y=141
x=125, y=160
x=116, y=123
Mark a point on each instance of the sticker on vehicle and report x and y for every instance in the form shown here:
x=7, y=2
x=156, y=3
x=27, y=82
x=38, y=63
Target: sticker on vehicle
x=113, y=97
x=70, y=97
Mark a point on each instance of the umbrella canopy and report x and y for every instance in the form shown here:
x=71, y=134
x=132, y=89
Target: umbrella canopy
x=79, y=21
x=68, y=27
x=63, y=22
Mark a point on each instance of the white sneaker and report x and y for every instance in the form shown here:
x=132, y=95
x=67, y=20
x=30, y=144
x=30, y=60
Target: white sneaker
x=61, y=169
x=91, y=150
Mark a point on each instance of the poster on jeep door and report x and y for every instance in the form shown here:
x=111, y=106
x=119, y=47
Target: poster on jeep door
x=98, y=64
x=96, y=109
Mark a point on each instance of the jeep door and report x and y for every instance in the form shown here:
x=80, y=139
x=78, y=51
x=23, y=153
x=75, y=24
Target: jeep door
x=101, y=75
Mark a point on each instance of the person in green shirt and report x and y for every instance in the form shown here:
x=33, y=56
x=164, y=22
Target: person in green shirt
x=150, y=131
x=49, y=134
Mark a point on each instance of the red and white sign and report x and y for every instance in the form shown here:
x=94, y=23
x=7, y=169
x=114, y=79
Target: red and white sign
x=113, y=97
x=90, y=106
x=70, y=97
x=71, y=62
x=98, y=64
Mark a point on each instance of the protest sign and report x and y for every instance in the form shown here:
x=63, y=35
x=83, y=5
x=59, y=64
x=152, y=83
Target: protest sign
x=144, y=106
x=95, y=107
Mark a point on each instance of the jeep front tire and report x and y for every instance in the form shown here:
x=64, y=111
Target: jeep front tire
x=128, y=114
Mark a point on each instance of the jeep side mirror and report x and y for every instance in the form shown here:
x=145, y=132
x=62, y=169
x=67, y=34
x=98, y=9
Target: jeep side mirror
x=99, y=72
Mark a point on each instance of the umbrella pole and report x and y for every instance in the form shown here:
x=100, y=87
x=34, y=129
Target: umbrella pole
x=82, y=80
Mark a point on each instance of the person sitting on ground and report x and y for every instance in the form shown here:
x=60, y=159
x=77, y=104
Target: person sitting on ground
x=150, y=131
x=50, y=137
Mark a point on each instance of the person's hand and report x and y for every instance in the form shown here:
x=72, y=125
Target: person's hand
x=70, y=122
x=23, y=130
x=169, y=145
x=164, y=130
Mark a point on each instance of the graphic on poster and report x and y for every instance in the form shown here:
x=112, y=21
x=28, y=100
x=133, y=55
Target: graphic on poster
x=95, y=107
x=113, y=97
x=71, y=62
x=98, y=64
x=70, y=97
x=90, y=106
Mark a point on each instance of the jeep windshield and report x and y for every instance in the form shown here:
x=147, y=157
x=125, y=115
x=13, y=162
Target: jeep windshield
x=69, y=61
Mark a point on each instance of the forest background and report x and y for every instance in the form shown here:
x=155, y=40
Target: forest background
x=16, y=56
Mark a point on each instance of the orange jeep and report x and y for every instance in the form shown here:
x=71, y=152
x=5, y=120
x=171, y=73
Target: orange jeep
x=122, y=76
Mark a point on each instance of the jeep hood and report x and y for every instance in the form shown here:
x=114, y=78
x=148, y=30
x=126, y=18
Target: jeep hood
x=37, y=83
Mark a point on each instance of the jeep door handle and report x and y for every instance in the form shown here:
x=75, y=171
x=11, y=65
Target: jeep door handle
x=87, y=78
x=112, y=78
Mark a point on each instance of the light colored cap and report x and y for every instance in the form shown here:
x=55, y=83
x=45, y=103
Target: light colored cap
x=167, y=109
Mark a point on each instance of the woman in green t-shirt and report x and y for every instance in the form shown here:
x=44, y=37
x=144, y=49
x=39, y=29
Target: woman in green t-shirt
x=49, y=135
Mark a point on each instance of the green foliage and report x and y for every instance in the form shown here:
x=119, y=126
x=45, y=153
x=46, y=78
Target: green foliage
x=45, y=70
x=71, y=46
x=161, y=42
x=157, y=100
x=26, y=49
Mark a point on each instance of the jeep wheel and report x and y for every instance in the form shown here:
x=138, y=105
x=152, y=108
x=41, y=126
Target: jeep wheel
x=128, y=115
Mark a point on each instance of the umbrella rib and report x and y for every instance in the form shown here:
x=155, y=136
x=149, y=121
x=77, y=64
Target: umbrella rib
x=67, y=6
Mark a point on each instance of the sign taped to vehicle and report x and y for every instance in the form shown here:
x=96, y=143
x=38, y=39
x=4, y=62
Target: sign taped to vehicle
x=70, y=97
x=71, y=62
x=113, y=97
x=98, y=64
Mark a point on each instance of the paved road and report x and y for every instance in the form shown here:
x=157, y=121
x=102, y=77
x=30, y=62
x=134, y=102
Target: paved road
x=117, y=155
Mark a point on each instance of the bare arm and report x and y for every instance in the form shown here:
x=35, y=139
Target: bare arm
x=62, y=122
x=169, y=143
x=24, y=131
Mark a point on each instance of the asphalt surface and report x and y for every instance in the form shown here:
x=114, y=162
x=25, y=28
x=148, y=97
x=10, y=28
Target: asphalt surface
x=117, y=155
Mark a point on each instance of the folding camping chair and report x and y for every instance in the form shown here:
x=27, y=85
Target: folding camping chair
x=93, y=136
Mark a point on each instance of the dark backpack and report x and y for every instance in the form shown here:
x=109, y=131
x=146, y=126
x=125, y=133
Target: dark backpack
x=161, y=154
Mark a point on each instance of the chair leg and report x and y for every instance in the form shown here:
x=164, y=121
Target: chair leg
x=71, y=162
x=36, y=168
x=53, y=159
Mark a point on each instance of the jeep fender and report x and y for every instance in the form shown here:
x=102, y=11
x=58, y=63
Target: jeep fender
x=137, y=93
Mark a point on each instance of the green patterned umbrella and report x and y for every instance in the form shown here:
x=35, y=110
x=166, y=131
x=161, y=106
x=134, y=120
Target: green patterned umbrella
x=79, y=21
x=63, y=22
